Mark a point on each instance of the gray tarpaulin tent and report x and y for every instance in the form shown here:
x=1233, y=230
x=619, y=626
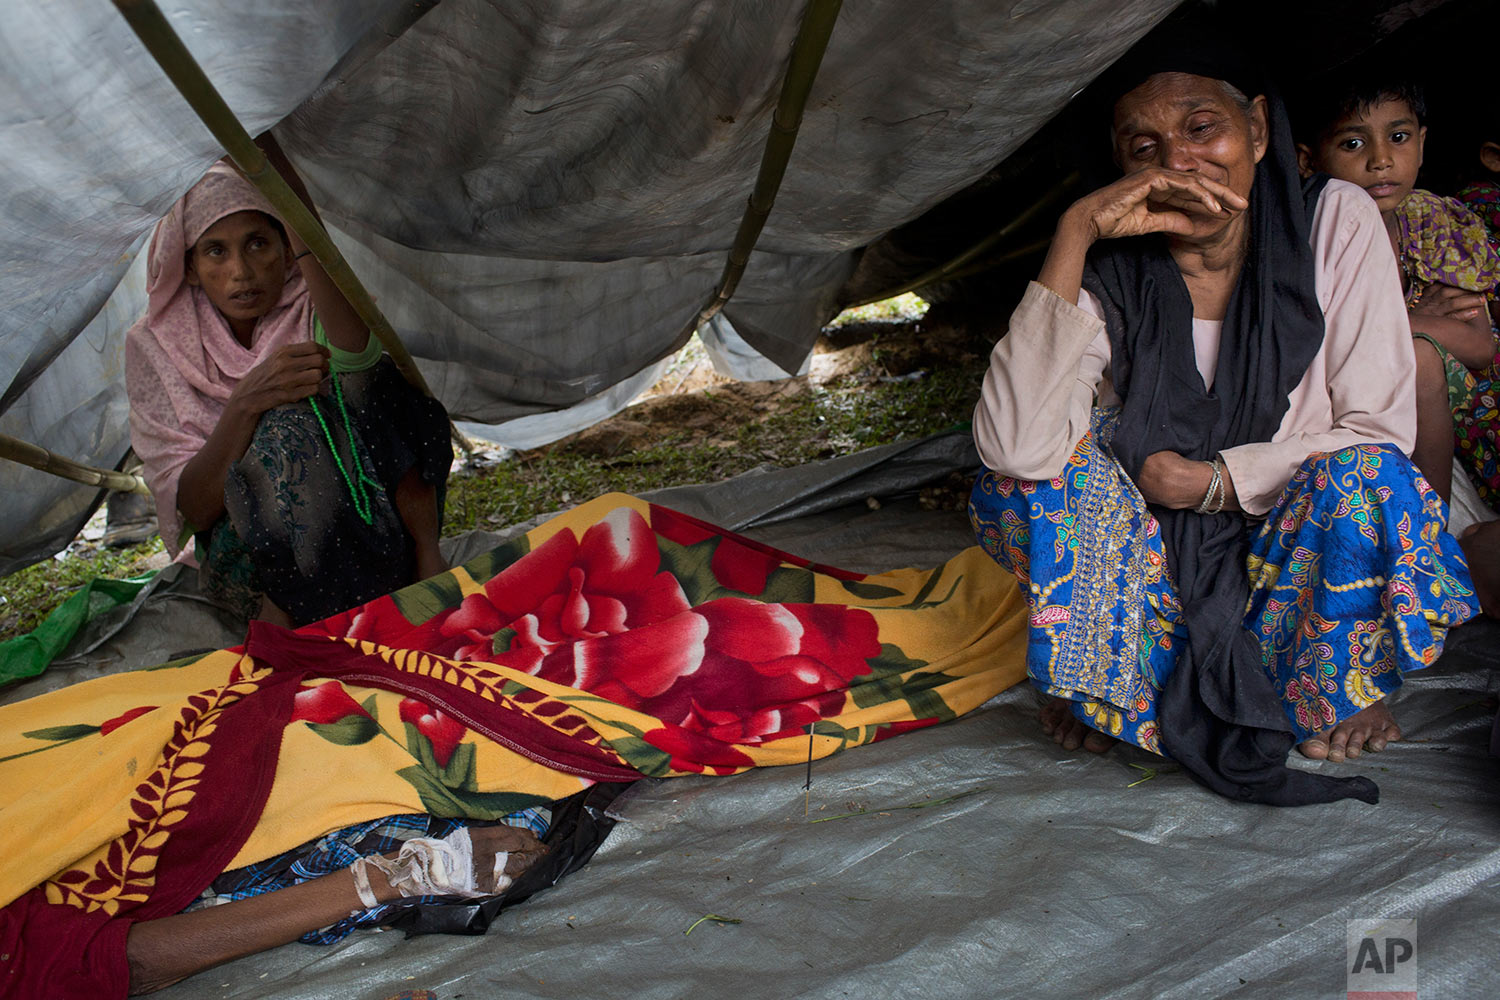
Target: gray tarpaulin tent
x=539, y=193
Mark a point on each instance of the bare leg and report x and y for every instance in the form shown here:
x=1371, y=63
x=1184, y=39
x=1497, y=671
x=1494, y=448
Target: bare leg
x=269, y=612
x=1433, y=453
x=1059, y=722
x=1481, y=545
x=416, y=502
x=165, y=951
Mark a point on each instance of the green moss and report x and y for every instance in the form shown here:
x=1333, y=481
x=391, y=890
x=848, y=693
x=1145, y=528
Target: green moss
x=29, y=595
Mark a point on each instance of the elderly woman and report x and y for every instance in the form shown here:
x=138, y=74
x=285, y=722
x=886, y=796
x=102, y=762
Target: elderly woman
x=308, y=493
x=1197, y=433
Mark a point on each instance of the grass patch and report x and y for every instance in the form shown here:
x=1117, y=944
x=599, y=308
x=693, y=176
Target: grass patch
x=835, y=419
x=28, y=596
x=901, y=307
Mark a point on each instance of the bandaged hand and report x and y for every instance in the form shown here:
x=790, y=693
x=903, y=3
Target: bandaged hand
x=470, y=862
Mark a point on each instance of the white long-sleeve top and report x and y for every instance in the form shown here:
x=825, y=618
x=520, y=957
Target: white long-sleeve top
x=1047, y=372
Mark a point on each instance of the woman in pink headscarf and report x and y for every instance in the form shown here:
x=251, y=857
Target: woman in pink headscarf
x=272, y=428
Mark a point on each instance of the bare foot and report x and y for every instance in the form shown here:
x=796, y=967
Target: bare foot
x=1368, y=729
x=1481, y=545
x=521, y=846
x=1059, y=722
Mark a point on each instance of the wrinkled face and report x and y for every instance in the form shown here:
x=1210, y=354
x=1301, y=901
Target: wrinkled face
x=1379, y=148
x=240, y=262
x=1190, y=123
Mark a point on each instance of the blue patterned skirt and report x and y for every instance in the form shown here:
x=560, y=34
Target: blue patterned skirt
x=1352, y=580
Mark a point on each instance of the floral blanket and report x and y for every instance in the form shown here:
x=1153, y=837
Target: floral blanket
x=617, y=640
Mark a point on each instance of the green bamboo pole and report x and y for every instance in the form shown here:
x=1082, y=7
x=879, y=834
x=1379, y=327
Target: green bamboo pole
x=40, y=458
x=146, y=20
x=951, y=268
x=807, y=56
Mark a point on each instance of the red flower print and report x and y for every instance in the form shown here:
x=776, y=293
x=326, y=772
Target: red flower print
x=442, y=731
x=110, y=726
x=324, y=703
x=692, y=752
x=634, y=667
x=565, y=590
x=598, y=614
x=379, y=621
x=769, y=669
x=735, y=669
x=680, y=528
x=735, y=564
x=740, y=567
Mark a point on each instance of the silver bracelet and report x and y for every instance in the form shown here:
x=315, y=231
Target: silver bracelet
x=1215, y=490
x=1223, y=487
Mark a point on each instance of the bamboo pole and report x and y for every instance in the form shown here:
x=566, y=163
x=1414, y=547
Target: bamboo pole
x=151, y=27
x=951, y=268
x=989, y=263
x=40, y=458
x=802, y=69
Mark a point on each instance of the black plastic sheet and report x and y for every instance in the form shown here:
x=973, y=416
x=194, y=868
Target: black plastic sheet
x=578, y=828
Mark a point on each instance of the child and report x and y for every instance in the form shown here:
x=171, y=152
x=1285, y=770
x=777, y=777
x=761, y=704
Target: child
x=1482, y=195
x=1371, y=134
x=1479, y=428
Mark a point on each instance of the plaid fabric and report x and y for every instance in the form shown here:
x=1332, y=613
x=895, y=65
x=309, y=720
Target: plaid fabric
x=338, y=850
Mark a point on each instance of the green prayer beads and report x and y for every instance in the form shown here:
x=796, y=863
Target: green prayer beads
x=358, y=484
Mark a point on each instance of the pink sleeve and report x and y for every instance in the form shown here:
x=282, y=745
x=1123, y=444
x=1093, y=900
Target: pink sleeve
x=157, y=433
x=1040, y=385
x=1360, y=389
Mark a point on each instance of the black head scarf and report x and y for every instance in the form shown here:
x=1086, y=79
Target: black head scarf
x=1220, y=716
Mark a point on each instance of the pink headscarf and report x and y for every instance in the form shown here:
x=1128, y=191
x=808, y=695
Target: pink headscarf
x=181, y=359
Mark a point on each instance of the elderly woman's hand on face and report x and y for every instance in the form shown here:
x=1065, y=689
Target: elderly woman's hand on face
x=1189, y=148
x=1155, y=200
